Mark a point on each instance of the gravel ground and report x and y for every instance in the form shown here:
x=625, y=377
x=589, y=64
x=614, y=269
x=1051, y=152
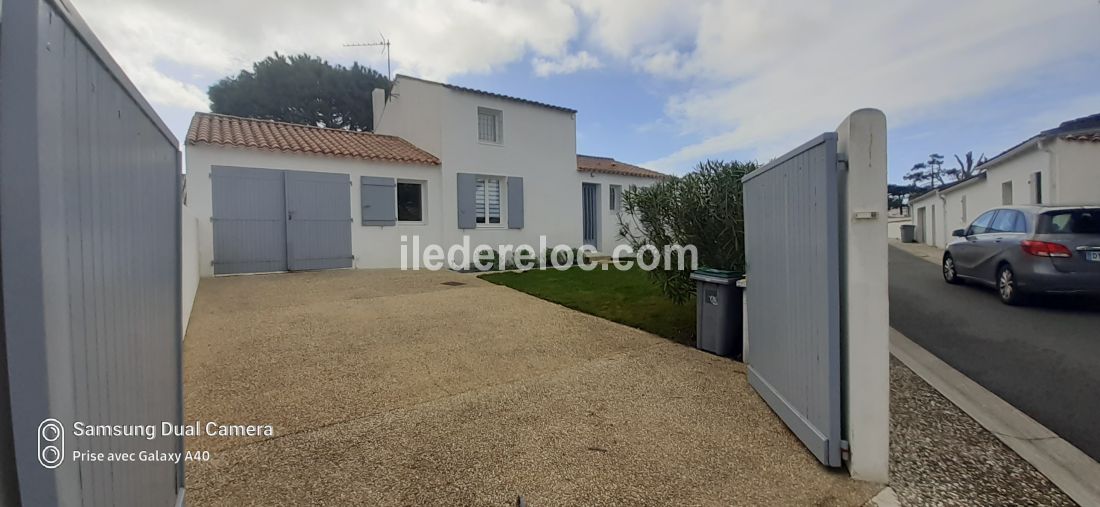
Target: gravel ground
x=388, y=388
x=940, y=456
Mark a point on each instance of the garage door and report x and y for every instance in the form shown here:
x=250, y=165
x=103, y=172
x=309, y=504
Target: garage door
x=270, y=220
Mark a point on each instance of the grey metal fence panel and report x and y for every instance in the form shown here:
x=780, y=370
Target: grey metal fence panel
x=792, y=253
x=318, y=226
x=89, y=256
x=249, y=220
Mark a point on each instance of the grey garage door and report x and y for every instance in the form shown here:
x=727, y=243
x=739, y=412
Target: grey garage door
x=318, y=227
x=270, y=220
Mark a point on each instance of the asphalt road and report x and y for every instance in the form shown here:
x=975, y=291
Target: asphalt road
x=1044, y=359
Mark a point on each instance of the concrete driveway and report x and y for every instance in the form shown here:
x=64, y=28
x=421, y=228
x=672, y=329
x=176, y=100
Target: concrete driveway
x=391, y=388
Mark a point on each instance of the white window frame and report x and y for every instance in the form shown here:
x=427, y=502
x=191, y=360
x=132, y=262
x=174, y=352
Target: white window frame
x=503, y=182
x=1006, y=193
x=615, y=197
x=423, y=202
x=498, y=115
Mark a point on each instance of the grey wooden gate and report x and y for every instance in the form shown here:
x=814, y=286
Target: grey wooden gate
x=268, y=220
x=792, y=236
x=90, y=257
x=249, y=219
x=590, y=208
x=318, y=227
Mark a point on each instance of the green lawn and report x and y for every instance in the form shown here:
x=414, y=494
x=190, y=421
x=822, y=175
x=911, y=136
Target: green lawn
x=626, y=297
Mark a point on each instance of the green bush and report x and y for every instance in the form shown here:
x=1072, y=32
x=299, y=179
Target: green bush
x=703, y=208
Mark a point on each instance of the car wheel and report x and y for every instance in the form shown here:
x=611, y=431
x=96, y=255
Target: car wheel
x=950, y=275
x=1006, y=286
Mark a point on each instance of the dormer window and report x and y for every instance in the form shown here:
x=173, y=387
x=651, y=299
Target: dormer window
x=490, y=125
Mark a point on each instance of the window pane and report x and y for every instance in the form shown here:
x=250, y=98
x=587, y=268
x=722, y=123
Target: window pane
x=488, y=125
x=1086, y=221
x=1021, y=223
x=492, y=200
x=1005, y=221
x=409, y=202
x=981, y=225
x=479, y=201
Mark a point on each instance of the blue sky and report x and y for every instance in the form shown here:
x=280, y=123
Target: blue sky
x=663, y=83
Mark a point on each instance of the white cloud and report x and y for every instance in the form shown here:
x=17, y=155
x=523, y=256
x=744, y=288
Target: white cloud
x=567, y=64
x=763, y=75
x=203, y=40
x=752, y=76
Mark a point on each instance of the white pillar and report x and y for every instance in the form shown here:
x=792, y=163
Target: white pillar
x=865, y=306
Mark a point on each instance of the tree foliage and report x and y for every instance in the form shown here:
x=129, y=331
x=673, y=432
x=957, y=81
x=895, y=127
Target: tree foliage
x=703, y=208
x=301, y=89
x=897, y=194
x=968, y=166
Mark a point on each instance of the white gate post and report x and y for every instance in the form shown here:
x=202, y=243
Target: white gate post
x=865, y=310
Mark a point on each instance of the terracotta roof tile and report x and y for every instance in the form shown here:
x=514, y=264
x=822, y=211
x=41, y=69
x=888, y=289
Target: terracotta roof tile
x=607, y=165
x=224, y=130
x=1091, y=137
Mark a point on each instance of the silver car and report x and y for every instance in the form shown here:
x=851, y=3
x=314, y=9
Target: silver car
x=1023, y=250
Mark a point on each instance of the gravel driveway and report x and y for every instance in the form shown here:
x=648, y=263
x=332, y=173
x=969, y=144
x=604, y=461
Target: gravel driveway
x=392, y=388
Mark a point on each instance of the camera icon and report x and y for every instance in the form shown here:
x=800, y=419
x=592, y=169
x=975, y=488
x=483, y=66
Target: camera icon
x=51, y=443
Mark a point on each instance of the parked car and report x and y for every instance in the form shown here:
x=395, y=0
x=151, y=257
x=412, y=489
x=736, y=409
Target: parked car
x=1023, y=250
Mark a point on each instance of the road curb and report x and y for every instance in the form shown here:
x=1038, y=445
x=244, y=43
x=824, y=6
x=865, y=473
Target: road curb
x=884, y=498
x=1071, y=470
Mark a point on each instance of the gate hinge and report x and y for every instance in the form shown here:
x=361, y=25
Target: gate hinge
x=845, y=451
x=842, y=164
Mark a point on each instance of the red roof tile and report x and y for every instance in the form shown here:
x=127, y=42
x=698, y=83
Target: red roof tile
x=607, y=165
x=1091, y=137
x=225, y=130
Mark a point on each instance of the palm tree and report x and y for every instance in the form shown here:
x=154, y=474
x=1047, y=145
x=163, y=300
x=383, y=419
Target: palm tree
x=970, y=167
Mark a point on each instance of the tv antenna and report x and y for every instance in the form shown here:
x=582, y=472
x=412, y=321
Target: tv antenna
x=384, y=43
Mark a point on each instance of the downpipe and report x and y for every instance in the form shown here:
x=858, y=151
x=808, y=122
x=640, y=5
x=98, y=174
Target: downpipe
x=1052, y=168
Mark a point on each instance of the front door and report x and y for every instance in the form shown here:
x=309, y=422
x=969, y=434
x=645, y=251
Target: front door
x=590, y=208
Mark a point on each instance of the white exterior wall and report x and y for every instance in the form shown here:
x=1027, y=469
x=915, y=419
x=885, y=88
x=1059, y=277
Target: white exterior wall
x=413, y=113
x=539, y=145
x=1077, y=167
x=372, y=246
x=1078, y=176
x=893, y=226
x=189, y=264
x=609, y=219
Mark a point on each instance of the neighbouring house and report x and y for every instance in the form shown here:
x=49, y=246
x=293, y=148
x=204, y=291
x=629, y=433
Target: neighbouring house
x=444, y=162
x=895, y=218
x=1056, y=166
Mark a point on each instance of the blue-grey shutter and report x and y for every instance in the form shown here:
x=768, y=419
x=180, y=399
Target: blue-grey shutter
x=467, y=187
x=378, y=200
x=515, y=203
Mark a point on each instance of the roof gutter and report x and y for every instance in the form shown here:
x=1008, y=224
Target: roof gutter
x=1052, y=169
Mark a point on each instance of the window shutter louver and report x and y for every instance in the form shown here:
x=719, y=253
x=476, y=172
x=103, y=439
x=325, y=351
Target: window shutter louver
x=515, y=203
x=378, y=200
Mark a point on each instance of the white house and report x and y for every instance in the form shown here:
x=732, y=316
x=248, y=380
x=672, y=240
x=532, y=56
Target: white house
x=444, y=162
x=1056, y=166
